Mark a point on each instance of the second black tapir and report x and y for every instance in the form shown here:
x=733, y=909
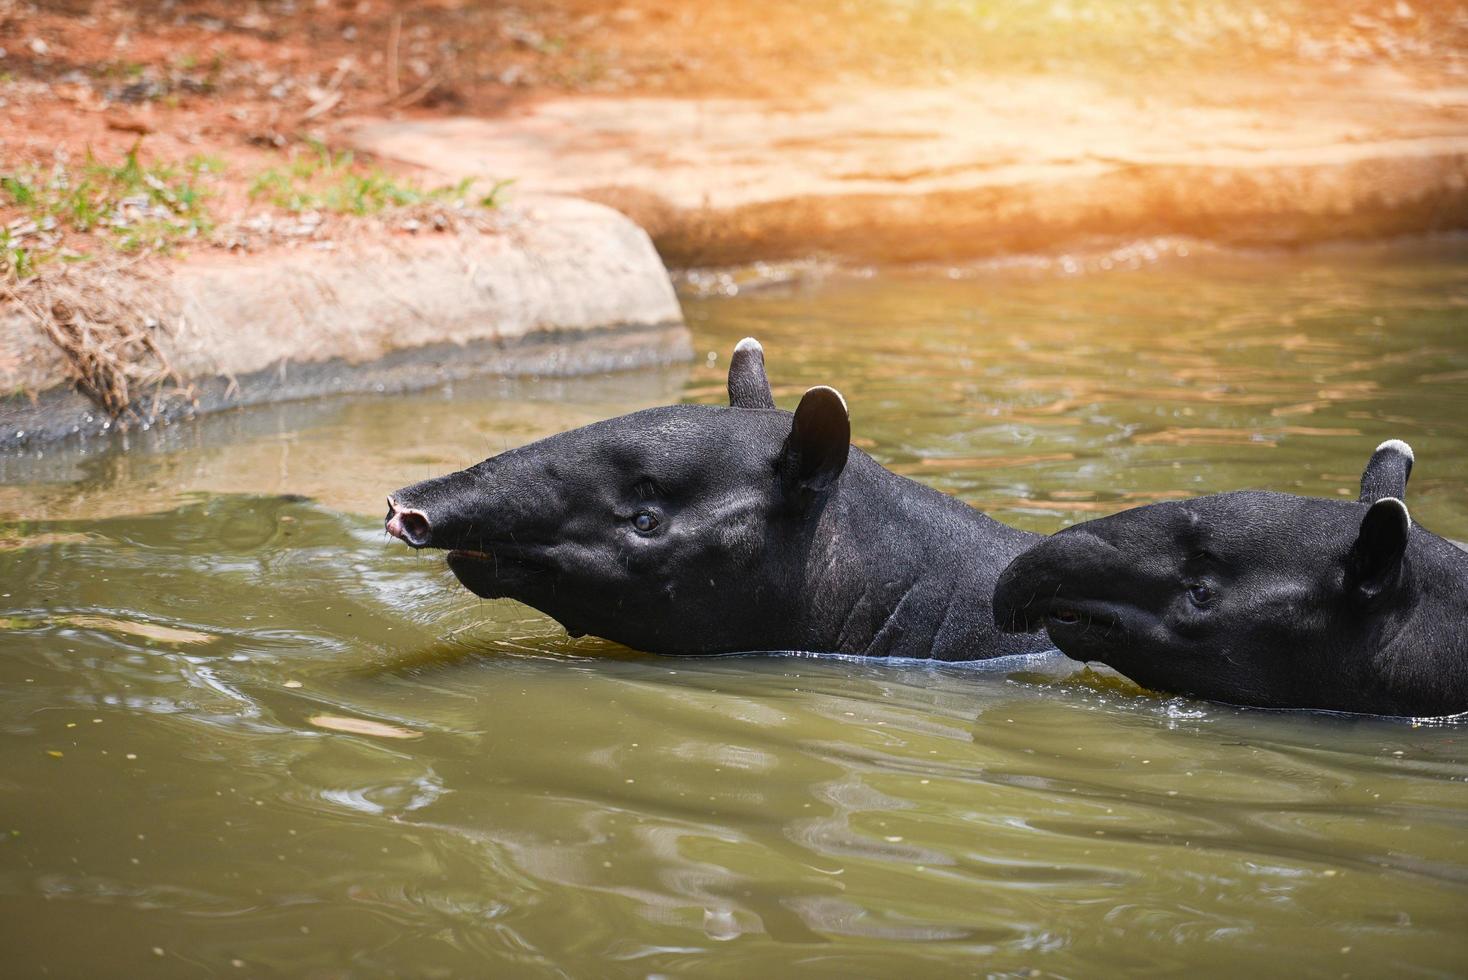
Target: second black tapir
x=1262, y=599
x=699, y=529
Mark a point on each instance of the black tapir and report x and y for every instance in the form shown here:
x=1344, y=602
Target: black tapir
x=1261, y=599
x=700, y=529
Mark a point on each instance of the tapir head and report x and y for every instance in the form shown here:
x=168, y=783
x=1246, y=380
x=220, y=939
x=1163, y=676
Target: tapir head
x=676, y=530
x=1253, y=598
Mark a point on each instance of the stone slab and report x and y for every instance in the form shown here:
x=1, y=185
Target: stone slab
x=982, y=167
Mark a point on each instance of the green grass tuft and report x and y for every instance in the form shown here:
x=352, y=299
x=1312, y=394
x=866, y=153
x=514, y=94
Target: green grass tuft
x=320, y=180
x=133, y=206
x=138, y=206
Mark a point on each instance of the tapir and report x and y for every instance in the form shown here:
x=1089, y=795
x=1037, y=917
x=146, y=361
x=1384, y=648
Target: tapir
x=704, y=529
x=1261, y=599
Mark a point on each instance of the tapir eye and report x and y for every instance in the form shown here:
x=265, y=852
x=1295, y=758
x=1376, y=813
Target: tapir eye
x=644, y=520
x=1200, y=594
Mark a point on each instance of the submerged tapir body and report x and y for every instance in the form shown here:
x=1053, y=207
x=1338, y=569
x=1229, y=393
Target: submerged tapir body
x=1262, y=599
x=699, y=529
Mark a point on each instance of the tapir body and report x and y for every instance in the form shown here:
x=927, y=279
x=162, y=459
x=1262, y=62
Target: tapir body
x=1261, y=599
x=699, y=529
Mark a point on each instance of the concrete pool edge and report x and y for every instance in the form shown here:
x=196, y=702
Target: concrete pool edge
x=1296, y=205
x=560, y=286
x=985, y=165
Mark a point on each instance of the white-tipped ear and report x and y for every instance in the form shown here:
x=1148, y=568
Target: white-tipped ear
x=748, y=385
x=820, y=440
x=1376, y=558
x=1398, y=504
x=1397, y=446
x=1387, y=472
x=840, y=398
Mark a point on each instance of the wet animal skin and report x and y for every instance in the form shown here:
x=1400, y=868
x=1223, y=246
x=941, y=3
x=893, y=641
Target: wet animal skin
x=1263, y=599
x=701, y=529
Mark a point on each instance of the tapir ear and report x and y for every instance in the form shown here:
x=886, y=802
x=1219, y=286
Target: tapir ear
x=820, y=437
x=748, y=385
x=1375, y=562
x=1387, y=472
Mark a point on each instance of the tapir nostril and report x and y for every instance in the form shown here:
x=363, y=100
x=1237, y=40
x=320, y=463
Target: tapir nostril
x=415, y=527
x=410, y=525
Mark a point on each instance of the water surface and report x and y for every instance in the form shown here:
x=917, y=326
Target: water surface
x=242, y=733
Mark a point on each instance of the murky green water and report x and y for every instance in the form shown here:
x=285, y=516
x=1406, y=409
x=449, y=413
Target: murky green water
x=184, y=626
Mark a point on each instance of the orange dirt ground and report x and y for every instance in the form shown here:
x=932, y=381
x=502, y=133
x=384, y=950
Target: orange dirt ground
x=243, y=82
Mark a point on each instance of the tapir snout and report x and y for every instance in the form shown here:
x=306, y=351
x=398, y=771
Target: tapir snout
x=407, y=524
x=1076, y=578
x=445, y=512
x=504, y=508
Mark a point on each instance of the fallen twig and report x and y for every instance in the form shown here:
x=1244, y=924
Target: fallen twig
x=417, y=94
x=394, y=36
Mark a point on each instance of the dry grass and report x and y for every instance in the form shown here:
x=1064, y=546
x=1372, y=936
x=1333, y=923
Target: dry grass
x=106, y=319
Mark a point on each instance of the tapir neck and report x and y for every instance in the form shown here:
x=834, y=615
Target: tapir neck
x=904, y=571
